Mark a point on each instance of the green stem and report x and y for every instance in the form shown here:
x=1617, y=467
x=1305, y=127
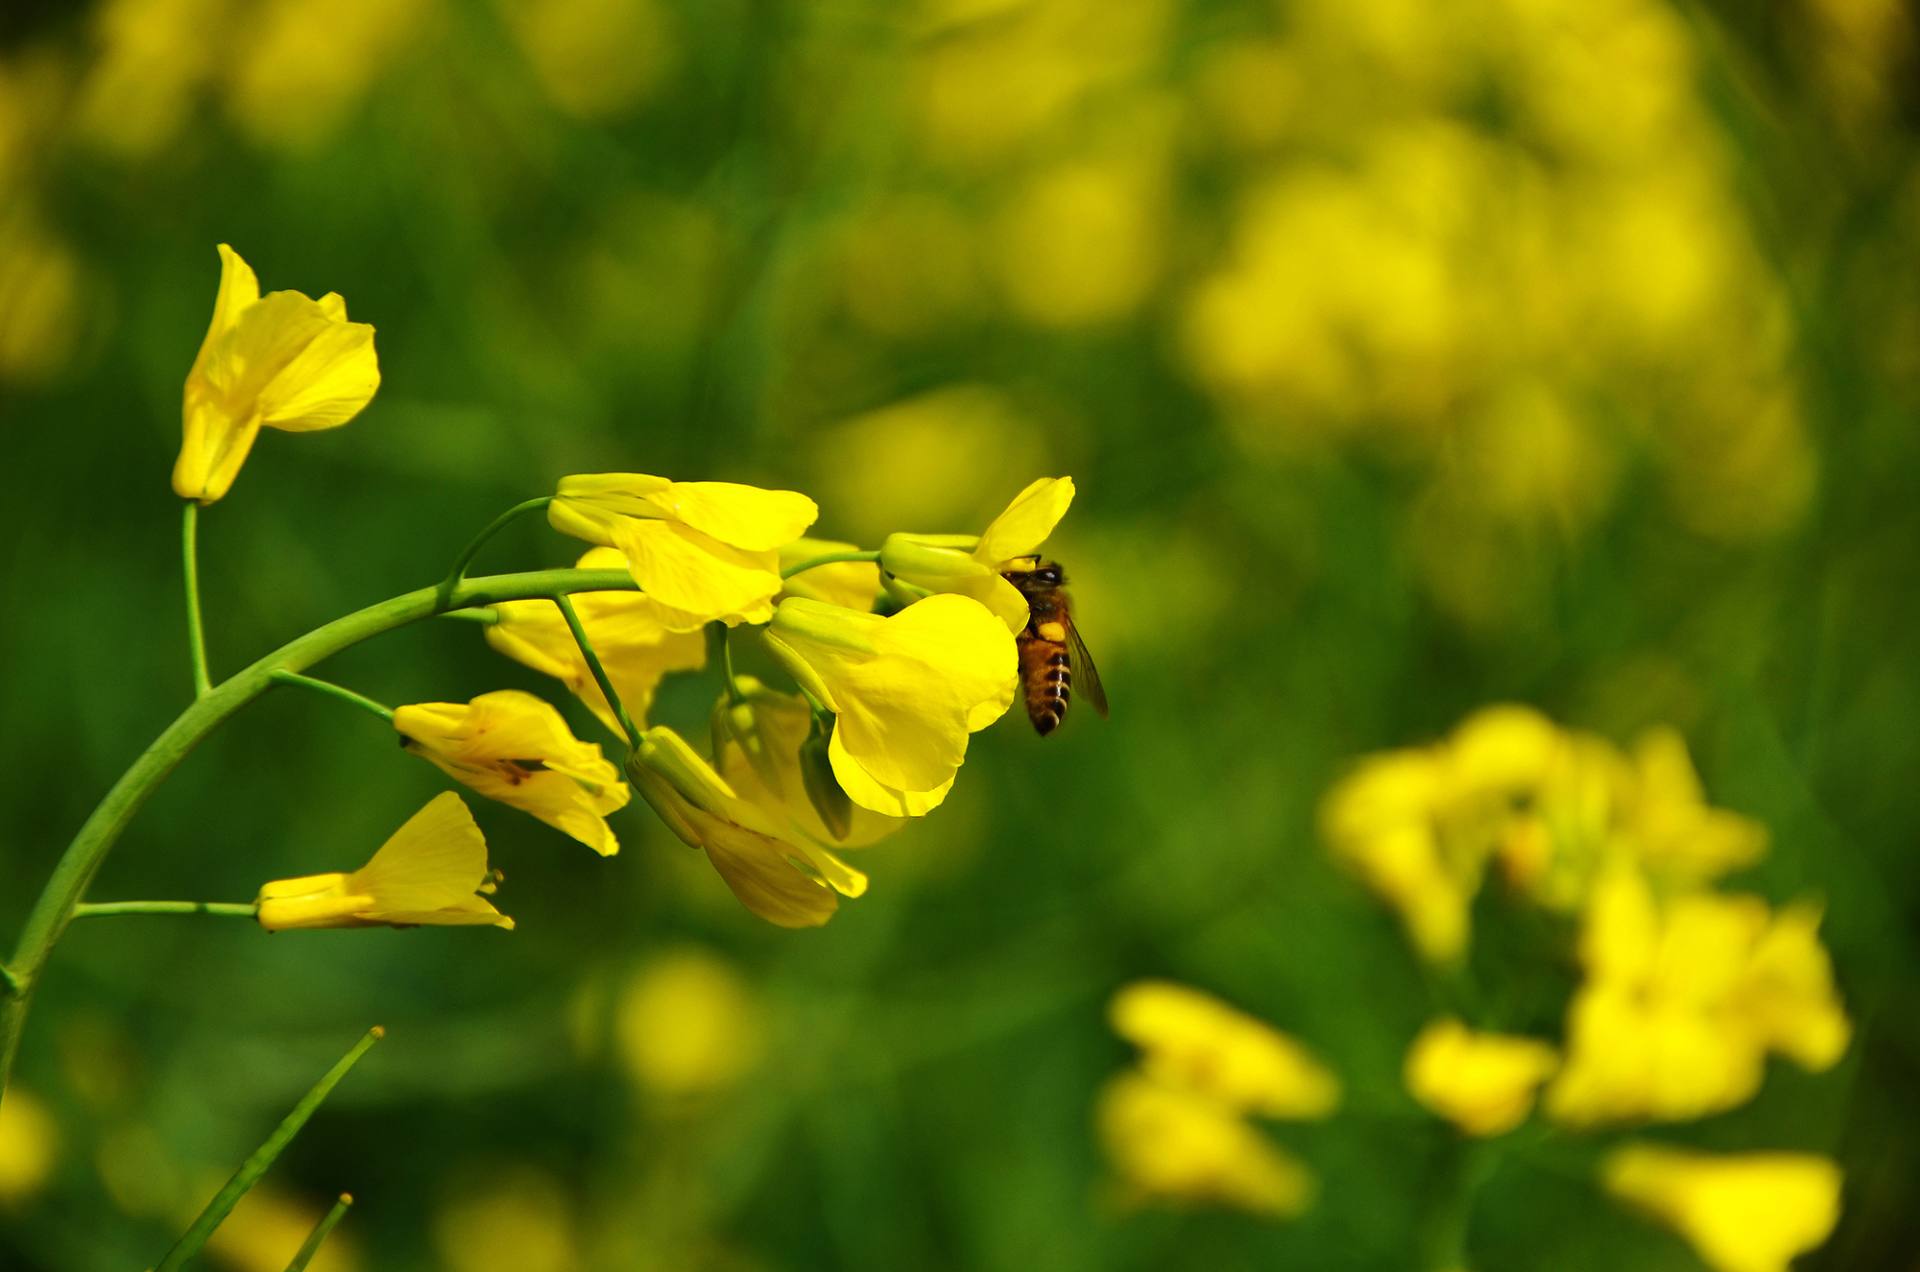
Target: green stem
x=96, y=837
x=485, y=614
x=1465, y=1166
x=499, y=523
x=599, y=673
x=720, y=654
x=327, y=1224
x=831, y=558
x=106, y=909
x=196, y=633
x=331, y=690
x=263, y=1157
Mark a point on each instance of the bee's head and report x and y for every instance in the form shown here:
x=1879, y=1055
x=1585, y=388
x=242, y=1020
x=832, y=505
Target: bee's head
x=1049, y=574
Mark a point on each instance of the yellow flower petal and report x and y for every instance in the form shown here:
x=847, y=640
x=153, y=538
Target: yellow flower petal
x=1745, y=1212
x=1193, y=1041
x=515, y=748
x=1484, y=1083
x=1173, y=1146
x=743, y=516
x=1027, y=521
x=689, y=571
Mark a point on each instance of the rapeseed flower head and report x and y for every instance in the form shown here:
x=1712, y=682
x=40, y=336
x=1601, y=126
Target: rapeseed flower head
x=1741, y=1212
x=515, y=748
x=1174, y=1146
x=1195, y=1042
x=707, y=549
x=1484, y=1083
x=918, y=565
x=906, y=690
x=431, y=872
x=778, y=874
x=1682, y=1001
x=633, y=634
x=281, y=361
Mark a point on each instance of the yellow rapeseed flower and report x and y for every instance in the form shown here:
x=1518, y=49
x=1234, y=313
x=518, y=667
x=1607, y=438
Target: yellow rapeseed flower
x=1195, y=1042
x=906, y=690
x=779, y=875
x=1682, y=1002
x=762, y=737
x=1380, y=823
x=1742, y=1212
x=1484, y=1083
x=430, y=872
x=709, y=549
x=515, y=748
x=919, y=565
x=29, y=1144
x=634, y=636
x=1173, y=1146
x=281, y=361
x=1679, y=837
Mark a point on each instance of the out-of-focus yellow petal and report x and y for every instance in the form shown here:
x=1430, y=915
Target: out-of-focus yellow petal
x=1743, y=1212
x=29, y=1145
x=687, y=1024
x=1193, y=1041
x=1484, y=1083
x=1175, y=1147
x=1027, y=521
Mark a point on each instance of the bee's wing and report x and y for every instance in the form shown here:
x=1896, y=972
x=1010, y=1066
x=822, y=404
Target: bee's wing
x=1086, y=676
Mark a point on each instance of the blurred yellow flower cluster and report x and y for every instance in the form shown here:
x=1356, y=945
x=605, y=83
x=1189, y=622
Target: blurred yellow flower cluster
x=1175, y=1127
x=1686, y=989
x=1478, y=236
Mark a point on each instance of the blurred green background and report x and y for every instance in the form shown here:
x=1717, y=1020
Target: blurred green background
x=1408, y=357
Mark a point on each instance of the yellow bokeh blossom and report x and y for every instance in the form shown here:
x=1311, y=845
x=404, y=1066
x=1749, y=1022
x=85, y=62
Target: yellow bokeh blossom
x=633, y=635
x=1741, y=1212
x=918, y=565
x=709, y=549
x=515, y=748
x=282, y=361
x=1484, y=1083
x=781, y=876
x=762, y=738
x=849, y=584
x=906, y=691
x=1379, y=823
x=1176, y=1147
x=1682, y=1001
x=508, y=1216
x=29, y=1144
x=687, y=1024
x=431, y=872
x=1195, y=1042
x=1677, y=835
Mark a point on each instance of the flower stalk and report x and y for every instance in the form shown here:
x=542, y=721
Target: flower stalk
x=196, y=632
x=468, y=553
x=326, y=688
x=600, y=676
x=831, y=558
x=108, y=909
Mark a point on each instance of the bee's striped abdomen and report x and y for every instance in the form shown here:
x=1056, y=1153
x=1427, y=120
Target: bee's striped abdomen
x=1047, y=674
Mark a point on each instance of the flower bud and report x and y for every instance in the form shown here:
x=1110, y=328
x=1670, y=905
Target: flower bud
x=823, y=789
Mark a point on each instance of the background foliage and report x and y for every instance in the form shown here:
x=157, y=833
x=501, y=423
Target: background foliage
x=1408, y=357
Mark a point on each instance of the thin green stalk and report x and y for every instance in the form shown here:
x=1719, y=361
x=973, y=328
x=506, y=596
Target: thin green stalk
x=830, y=559
x=82, y=858
x=106, y=909
x=263, y=1157
x=196, y=633
x=593, y=665
x=499, y=523
x=484, y=614
x=328, y=689
x=720, y=654
x=327, y=1224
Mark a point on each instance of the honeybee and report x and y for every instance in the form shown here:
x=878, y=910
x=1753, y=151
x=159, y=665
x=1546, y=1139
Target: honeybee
x=1050, y=648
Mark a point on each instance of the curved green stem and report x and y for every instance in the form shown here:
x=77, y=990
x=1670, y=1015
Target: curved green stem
x=720, y=654
x=486, y=615
x=263, y=1157
x=321, y=1230
x=81, y=861
x=328, y=689
x=499, y=523
x=593, y=665
x=106, y=909
x=831, y=558
x=196, y=633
